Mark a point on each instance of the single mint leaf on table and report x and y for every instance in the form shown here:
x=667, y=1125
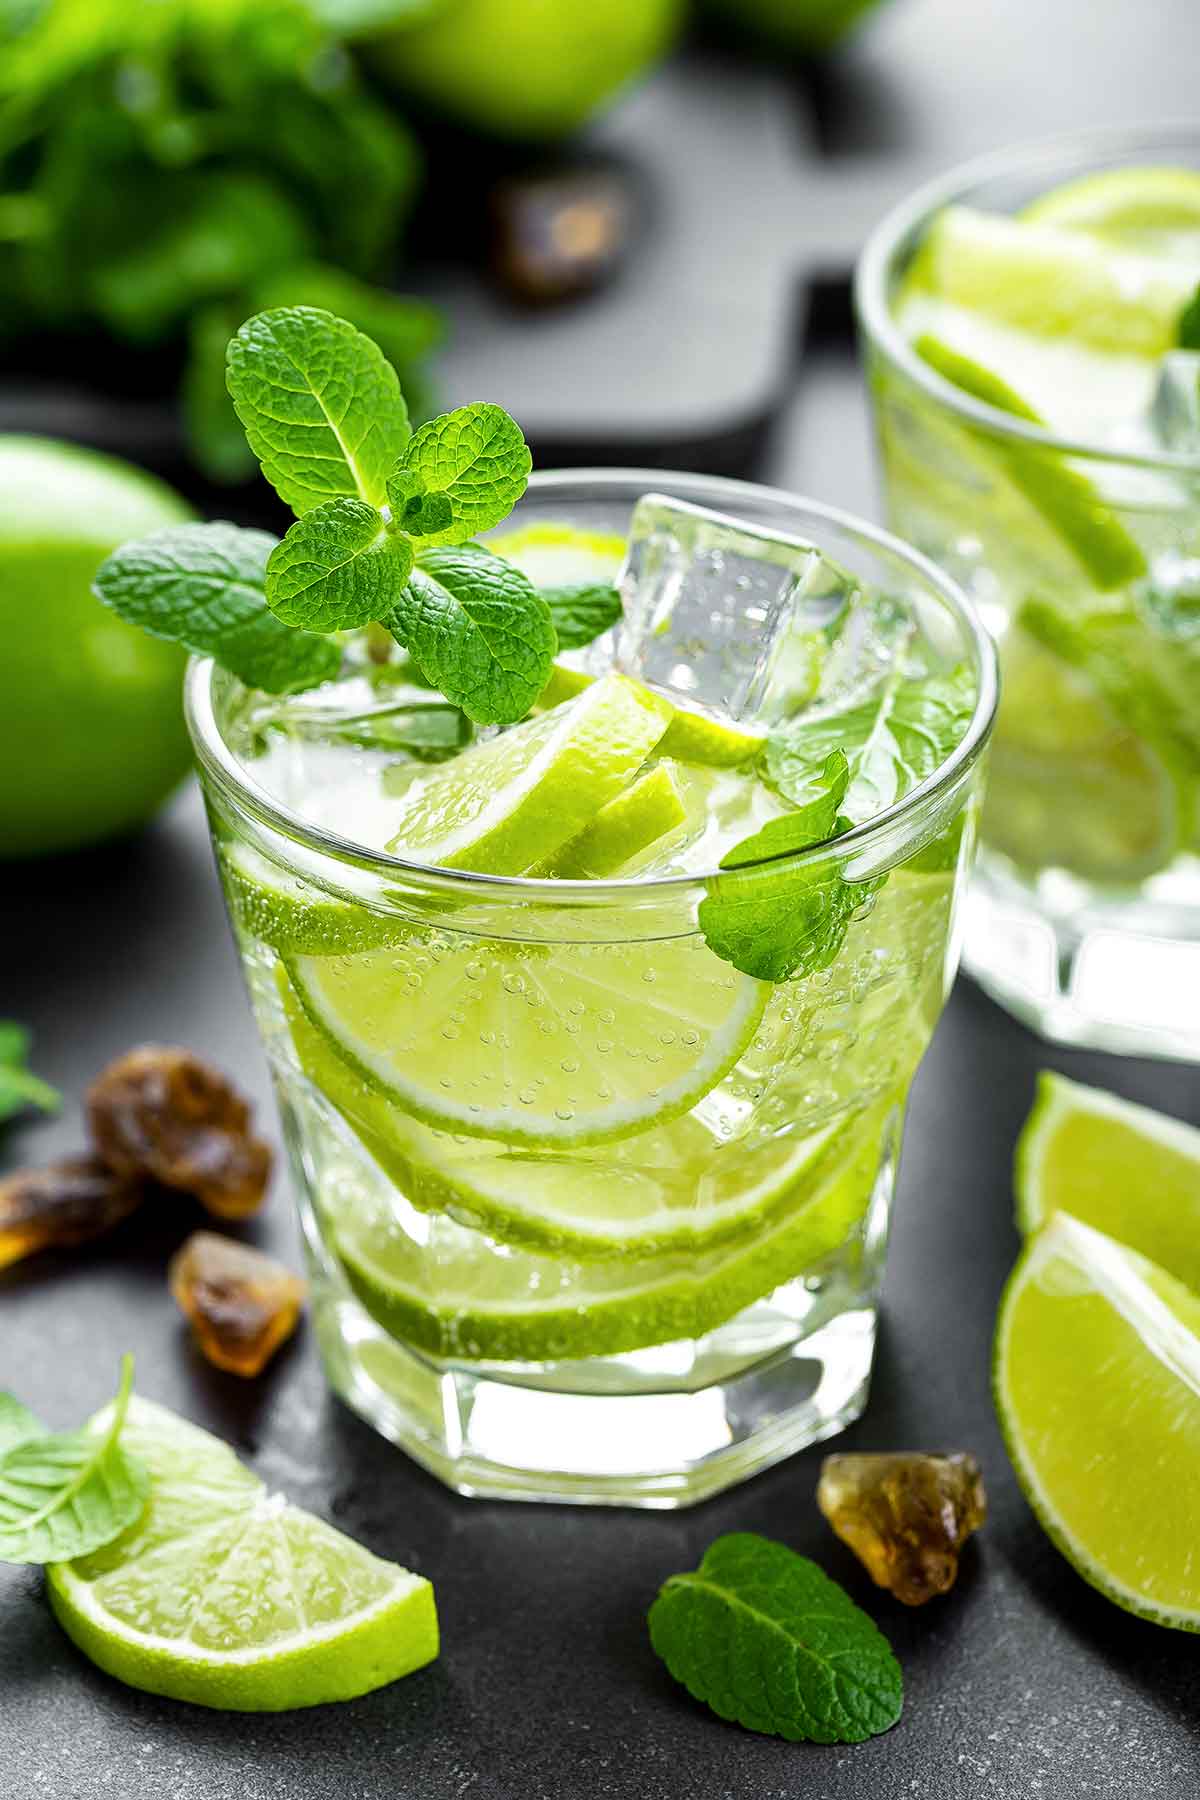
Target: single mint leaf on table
x=893, y=741
x=337, y=568
x=19, y=1086
x=1189, y=324
x=320, y=404
x=17, y=1424
x=582, y=611
x=477, y=629
x=68, y=1493
x=460, y=474
x=766, y=1639
x=204, y=586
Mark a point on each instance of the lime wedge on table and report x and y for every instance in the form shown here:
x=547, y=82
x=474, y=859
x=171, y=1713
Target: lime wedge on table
x=1125, y=1169
x=454, y=1294
x=1098, y=1389
x=1054, y=283
x=1066, y=500
x=1154, y=209
x=540, y=1044
x=515, y=799
x=227, y=1596
x=677, y=1186
x=1068, y=775
x=636, y=819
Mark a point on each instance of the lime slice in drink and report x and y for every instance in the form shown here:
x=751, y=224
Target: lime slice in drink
x=554, y=555
x=281, y=908
x=224, y=1595
x=512, y=801
x=544, y=1044
x=1067, y=776
x=639, y=817
x=1155, y=209
x=1053, y=283
x=1066, y=500
x=691, y=737
x=676, y=1187
x=1124, y=1169
x=1098, y=1390
x=454, y=1293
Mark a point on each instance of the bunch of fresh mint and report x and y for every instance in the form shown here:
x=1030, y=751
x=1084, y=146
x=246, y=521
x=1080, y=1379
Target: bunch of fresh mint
x=383, y=535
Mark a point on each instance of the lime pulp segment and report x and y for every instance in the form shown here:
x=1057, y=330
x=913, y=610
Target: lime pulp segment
x=225, y=1596
x=1097, y=1379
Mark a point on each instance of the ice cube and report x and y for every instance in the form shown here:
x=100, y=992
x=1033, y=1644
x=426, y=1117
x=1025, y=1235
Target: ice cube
x=1175, y=411
x=725, y=616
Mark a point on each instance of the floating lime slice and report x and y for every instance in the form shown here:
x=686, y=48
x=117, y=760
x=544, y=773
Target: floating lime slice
x=1126, y=1170
x=639, y=817
x=1052, y=282
x=556, y=555
x=456, y=1294
x=276, y=906
x=677, y=1187
x=1151, y=209
x=1098, y=1390
x=227, y=1596
x=539, y=1044
x=512, y=801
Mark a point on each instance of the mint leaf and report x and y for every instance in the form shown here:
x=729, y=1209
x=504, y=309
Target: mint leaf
x=582, y=611
x=67, y=1494
x=475, y=459
x=1189, y=324
x=477, y=629
x=19, y=1087
x=818, y=802
x=17, y=1424
x=893, y=740
x=765, y=1638
x=776, y=922
x=204, y=586
x=337, y=568
x=320, y=404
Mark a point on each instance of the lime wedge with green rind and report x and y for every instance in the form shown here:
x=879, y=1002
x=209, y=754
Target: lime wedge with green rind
x=226, y=1596
x=676, y=1187
x=632, y=822
x=1068, y=779
x=513, y=800
x=455, y=1295
x=276, y=906
x=1124, y=1169
x=544, y=1044
x=1153, y=209
x=1097, y=1382
x=1053, y=283
x=690, y=737
x=1065, y=499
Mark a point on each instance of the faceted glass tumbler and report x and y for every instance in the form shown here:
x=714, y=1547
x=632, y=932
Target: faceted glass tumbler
x=722, y=1314
x=1083, y=917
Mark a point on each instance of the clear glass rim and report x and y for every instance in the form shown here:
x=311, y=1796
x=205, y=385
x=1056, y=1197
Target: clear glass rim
x=219, y=764
x=896, y=229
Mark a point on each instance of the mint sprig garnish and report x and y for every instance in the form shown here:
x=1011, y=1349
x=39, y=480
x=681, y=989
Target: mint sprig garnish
x=766, y=1639
x=204, y=586
x=582, y=611
x=65, y=1494
x=459, y=474
x=337, y=568
x=19, y=1086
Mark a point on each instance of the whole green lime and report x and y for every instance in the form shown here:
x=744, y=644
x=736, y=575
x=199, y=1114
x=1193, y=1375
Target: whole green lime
x=92, y=738
x=536, y=70
x=804, y=26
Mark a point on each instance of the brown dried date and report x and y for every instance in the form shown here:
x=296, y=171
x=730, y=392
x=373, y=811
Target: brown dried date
x=241, y=1304
x=66, y=1203
x=905, y=1514
x=162, y=1112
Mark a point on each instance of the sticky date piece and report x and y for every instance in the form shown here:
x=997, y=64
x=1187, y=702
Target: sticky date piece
x=906, y=1515
x=63, y=1204
x=241, y=1304
x=162, y=1112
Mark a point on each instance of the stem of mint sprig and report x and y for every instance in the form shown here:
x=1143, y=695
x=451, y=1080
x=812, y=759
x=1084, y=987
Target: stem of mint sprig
x=385, y=523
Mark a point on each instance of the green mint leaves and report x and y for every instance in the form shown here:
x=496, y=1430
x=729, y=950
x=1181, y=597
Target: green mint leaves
x=337, y=569
x=320, y=404
x=459, y=475
x=478, y=628
x=582, y=611
x=19, y=1087
x=767, y=1640
x=204, y=586
x=65, y=1494
x=1189, y=324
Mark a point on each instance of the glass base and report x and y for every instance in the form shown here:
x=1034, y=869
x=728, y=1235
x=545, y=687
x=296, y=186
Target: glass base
x=1099, y=973
x=515, y=1439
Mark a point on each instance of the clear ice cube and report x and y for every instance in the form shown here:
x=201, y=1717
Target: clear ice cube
x=725, y=616
x=1175, y=411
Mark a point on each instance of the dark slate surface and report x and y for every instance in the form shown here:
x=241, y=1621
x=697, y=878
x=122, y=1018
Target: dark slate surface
x=1024, y=1685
